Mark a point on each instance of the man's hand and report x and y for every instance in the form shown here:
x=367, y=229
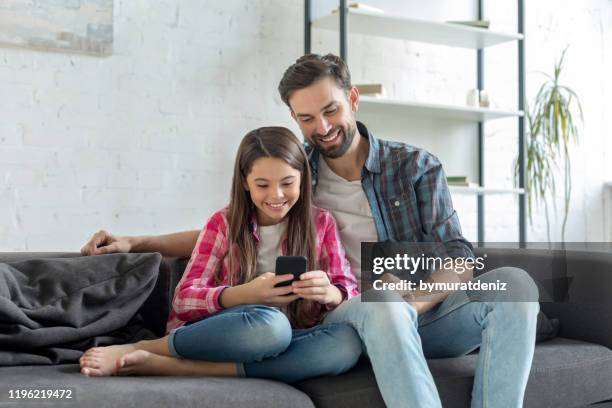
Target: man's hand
x=315, y=285
x=103, y=242
x=421, y=302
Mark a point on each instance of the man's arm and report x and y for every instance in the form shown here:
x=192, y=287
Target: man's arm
x=441, y=225
x=179, y=244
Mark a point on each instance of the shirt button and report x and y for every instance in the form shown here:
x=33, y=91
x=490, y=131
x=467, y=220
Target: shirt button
x=314, y=183
x=397, y=203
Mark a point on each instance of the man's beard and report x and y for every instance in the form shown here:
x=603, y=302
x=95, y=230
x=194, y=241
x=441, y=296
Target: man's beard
x=346, y=134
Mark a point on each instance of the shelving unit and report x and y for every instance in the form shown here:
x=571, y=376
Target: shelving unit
x=462, y=113
x=402, y=28
x=347, y=21
x=485, y=190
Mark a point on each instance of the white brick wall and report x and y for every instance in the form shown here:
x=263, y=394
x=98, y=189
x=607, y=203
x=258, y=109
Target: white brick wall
x=587, y=28
x=143, y=141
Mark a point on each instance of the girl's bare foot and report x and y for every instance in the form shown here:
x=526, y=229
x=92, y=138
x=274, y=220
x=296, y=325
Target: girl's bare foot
x=141, y=362
x=102, y=361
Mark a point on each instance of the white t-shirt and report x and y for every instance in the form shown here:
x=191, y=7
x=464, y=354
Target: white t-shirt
x=269, y=246
x=349, y=205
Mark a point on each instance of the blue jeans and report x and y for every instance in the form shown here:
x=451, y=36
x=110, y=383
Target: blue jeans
x=398, y=341
x=259, y=339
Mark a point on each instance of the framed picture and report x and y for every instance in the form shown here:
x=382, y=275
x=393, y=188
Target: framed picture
x=80, y=26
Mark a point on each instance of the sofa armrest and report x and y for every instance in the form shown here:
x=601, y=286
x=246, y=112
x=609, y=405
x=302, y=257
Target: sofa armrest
x=575, y=287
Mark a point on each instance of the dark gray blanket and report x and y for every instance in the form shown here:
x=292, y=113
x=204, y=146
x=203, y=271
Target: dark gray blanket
x=51, y=310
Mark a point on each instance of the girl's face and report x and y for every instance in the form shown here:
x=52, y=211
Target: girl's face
x=274, y=187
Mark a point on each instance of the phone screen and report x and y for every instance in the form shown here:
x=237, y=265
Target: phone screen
x=295, y=265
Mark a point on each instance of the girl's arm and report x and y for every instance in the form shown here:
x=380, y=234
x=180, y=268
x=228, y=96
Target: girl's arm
x=336, y=282
x=197, y=293
x=261, y=290
x=334, y=256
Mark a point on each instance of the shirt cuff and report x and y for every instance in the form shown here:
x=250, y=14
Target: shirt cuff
x=217, y=297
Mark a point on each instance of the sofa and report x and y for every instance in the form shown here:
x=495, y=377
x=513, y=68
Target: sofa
x=573, y=369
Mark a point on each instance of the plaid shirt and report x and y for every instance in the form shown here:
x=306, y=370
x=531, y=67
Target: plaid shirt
x=408, y=194
x=197, y=294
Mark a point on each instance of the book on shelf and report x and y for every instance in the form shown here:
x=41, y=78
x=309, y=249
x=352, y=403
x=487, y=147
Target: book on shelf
x=376, y=90
x=468, y=184
x=473, y=23
x=363, y=7
x=460, y=181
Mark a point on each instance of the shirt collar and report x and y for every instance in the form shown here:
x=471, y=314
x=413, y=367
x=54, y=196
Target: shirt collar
x=372, y=163
x=256, y=233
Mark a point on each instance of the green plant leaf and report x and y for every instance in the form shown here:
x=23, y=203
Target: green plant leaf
x=551, y=128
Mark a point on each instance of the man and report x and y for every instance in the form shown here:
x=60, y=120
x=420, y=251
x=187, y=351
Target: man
x=386, y=191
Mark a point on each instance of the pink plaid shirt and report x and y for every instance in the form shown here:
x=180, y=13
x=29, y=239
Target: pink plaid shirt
x=197, y=293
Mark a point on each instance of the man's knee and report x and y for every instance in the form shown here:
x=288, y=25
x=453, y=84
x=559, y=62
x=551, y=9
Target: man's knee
x=509, y=284
x=520, y=297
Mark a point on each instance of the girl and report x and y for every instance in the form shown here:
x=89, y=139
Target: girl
x=228, y=316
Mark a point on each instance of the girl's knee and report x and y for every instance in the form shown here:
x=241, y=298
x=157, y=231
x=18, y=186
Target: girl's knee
x=266, y=332
x=268, y=326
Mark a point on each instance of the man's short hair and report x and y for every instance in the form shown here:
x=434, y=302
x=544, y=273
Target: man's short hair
x=311, y=68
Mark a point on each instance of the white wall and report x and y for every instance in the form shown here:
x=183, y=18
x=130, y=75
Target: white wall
x=587, y=28
x=143, y=141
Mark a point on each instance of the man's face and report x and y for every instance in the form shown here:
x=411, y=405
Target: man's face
x=326, y=116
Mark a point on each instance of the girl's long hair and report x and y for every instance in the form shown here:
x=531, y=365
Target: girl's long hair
x=279, y=143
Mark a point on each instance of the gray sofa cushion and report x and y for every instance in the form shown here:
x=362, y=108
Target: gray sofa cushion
x=579, y=281
x=570, y=373
x=184, y=392
x=565, y=373
x=51, y=309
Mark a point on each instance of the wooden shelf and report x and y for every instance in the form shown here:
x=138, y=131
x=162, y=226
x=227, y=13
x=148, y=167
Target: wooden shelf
x=433, y=32
x=485, y=190
x=462, y=113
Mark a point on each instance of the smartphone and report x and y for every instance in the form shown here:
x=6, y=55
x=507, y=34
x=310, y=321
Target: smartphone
x=295, y=265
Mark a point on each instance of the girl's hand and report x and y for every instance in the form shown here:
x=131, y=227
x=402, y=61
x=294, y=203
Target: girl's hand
x=261, y=290
x=315, y=285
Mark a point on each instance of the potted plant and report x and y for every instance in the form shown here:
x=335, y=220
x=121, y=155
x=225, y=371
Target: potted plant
x=551, y=128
